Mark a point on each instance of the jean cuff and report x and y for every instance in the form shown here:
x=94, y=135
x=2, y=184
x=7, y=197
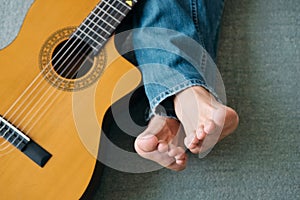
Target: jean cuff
x=163, y=104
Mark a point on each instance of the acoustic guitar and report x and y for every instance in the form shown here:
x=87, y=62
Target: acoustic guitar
x=57, y=80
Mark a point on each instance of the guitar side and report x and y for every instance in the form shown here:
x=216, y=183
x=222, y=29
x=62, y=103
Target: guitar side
x=57, y=129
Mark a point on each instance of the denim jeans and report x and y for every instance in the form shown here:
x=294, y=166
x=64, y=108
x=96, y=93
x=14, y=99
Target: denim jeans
x=175, y=45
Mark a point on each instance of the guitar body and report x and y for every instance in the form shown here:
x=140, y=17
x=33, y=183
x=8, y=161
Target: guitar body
x=54, y=116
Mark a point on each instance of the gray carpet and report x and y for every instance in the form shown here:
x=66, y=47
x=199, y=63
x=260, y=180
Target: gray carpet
x=259, y=58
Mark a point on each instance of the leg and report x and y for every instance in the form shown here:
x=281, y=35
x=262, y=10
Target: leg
x=172, y=63
x=205, y=120
x=159, y=142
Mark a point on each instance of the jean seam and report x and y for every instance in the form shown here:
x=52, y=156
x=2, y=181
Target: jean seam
x=219, y=21
x=195, y=20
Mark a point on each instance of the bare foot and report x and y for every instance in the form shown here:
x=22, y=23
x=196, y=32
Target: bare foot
x=205, y=120
x=160, y=143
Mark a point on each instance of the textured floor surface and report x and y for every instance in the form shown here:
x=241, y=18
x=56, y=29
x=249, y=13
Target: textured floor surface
x=259, y=59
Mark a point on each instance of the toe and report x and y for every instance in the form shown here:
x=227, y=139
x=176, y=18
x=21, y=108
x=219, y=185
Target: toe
x=200, y=133
x=209, y=127
x=146, y=143
x=162, y=147
x=175, y=151
x=195, y=150
x=193, y=144
x=181, y=159
x=191, y=141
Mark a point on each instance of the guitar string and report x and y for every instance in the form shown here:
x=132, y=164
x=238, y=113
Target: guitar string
x=77, y=45
x=19, y=142
x=57, y=80
x=96, y=24
x=35, y=80
x=40, y=74
x=97, y=16
x=37, y=111
x=88, y=32
x=13, y=122
x=9, y=136
x=57, y=95
x=55, y=98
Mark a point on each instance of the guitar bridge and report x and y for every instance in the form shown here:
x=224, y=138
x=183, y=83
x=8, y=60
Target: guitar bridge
x=22, y=142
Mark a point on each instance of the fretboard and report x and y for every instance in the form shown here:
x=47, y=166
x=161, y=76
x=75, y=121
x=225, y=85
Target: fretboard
x=99, y=25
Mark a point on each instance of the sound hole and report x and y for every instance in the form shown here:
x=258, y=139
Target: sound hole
x=72, y=58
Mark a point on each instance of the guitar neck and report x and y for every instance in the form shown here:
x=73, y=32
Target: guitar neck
x=100, y=24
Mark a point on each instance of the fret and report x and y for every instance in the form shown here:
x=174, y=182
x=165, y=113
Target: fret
x=107, y=16
x=124, y=4
x=102, y=22
x=90, y=37
x=99, y=27
x=114, y=8
x=102, y=10
x=122, y=7
x=78, y=35
x=91, y=42
x=93, y=31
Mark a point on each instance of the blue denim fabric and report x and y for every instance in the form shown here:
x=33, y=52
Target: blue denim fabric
x=175, y=43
